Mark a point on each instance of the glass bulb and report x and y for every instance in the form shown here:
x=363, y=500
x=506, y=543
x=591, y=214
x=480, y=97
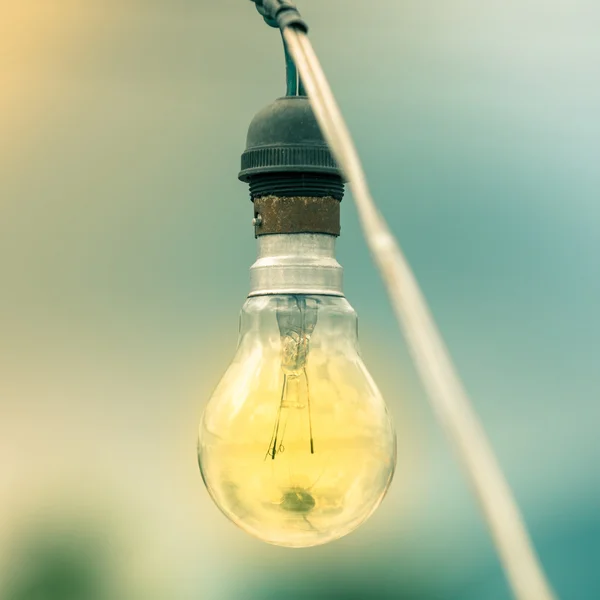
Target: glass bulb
x=296, y=445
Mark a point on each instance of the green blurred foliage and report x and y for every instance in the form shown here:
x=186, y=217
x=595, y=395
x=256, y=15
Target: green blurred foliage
x=63, y=564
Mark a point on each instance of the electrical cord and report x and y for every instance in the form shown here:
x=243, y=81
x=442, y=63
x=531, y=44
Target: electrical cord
x=294, y=85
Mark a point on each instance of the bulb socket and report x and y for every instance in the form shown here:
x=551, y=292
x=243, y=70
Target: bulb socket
x=276, y=214
x=295, y=183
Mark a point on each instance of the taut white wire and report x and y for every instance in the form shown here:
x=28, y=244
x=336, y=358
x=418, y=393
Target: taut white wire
x=448, y=398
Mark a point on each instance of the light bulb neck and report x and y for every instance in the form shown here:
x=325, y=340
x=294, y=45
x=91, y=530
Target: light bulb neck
x=296, y=263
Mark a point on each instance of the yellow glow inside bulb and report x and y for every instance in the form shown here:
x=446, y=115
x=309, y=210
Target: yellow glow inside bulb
x=296, y=445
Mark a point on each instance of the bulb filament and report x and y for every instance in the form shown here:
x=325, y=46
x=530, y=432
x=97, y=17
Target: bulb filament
x=297, y=317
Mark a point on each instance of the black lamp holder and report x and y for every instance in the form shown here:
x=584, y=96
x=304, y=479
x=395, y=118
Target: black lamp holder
x=295, y=183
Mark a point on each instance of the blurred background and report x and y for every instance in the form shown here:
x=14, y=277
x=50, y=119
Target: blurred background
x=125, y=242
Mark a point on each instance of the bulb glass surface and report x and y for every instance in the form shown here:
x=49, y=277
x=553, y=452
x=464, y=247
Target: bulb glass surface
x=296, y=445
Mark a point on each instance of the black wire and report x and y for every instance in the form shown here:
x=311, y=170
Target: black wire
x=301, y=89
x=291, y=72
x=281, y=14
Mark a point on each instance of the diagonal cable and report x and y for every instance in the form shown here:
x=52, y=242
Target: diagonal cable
x=447, y=395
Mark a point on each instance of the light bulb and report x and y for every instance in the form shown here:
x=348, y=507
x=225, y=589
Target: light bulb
x=296, y=445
